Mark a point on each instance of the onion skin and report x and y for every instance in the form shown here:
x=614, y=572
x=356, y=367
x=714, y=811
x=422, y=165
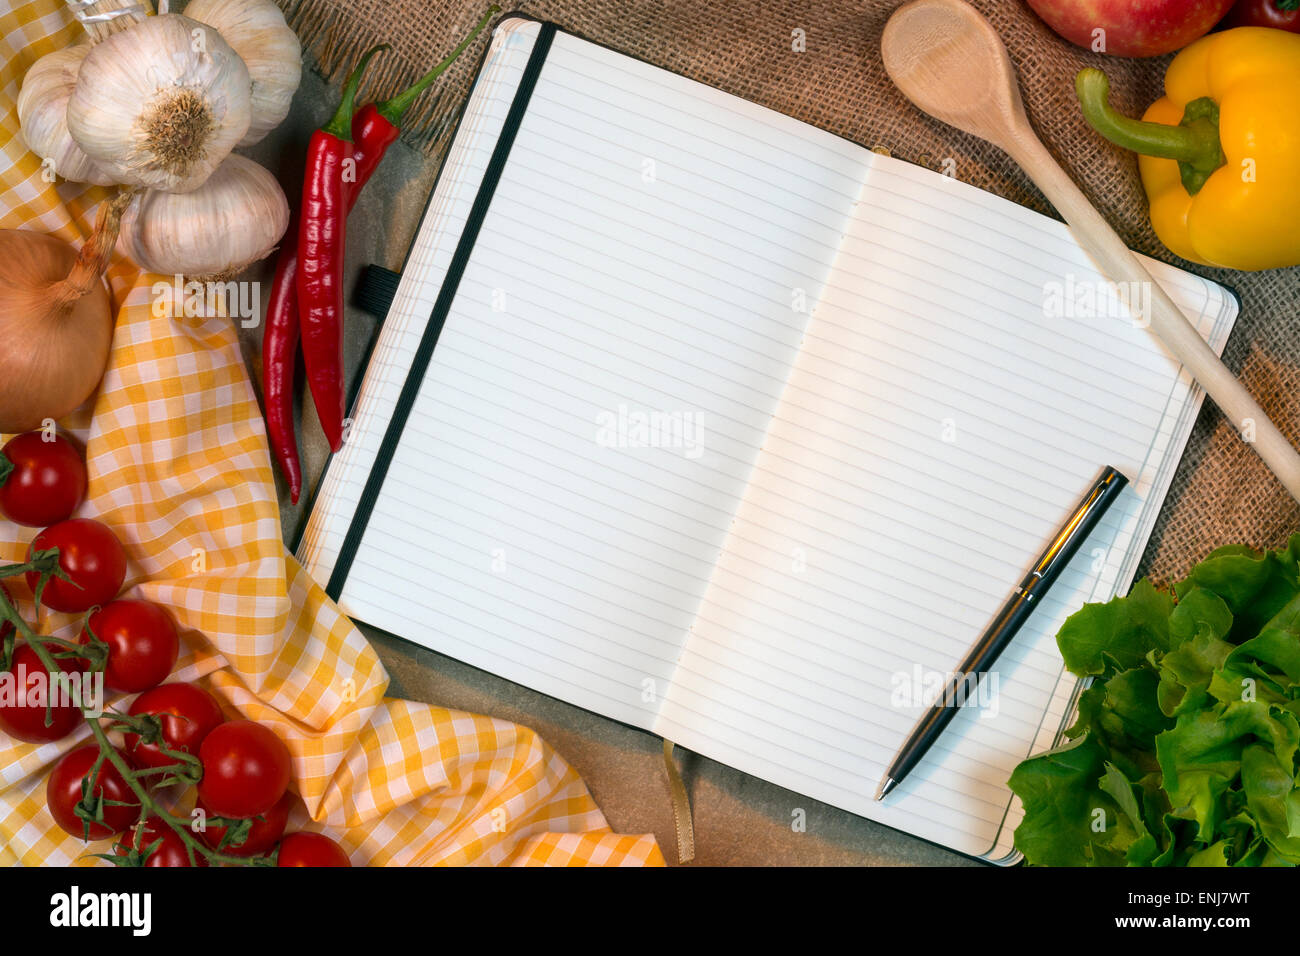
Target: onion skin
x=56, y=320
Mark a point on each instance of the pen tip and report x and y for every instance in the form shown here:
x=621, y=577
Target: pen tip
x=886, y=785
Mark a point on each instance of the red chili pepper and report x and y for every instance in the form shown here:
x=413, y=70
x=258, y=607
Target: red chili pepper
x=322, y=227
x=279, y=349
x=281, y=335
x=375, y=127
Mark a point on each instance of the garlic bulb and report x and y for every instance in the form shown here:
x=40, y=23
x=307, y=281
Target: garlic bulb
x=256, y=30
x=231, y=221
x=43, y=116
x=161, y=104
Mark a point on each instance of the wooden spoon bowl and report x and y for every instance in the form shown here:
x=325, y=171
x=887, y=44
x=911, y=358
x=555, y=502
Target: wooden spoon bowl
x=948, y=60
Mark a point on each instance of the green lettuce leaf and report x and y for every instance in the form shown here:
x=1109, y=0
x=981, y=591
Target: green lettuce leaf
x=1277, y=646
x=1254, y=586
x=1273, y=800
x=1214, y=855
x=1103, y=638
x=1187, y=671
x=1201, y=756
x=1061, y=798
x=1130, y=835
x=1185, y=745
x=1199, y=612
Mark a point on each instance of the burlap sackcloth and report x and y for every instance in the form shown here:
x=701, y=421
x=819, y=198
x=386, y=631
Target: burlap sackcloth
x=1221, y=493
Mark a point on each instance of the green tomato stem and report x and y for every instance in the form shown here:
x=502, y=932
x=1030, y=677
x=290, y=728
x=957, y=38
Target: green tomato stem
x=42, y=562
x=150, y=807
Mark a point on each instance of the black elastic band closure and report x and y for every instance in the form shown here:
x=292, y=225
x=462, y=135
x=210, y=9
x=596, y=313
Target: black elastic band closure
x=424, y=354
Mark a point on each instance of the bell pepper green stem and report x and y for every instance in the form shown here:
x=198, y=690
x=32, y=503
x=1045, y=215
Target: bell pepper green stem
x=340, y=124
x=393, y=109
x=1194, y=143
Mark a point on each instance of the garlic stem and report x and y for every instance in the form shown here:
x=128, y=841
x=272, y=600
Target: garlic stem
x=102, y=18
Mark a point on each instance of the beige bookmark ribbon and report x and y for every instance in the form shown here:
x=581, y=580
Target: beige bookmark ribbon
x=681, y=807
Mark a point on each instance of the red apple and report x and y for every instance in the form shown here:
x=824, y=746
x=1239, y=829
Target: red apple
x=1127, y=28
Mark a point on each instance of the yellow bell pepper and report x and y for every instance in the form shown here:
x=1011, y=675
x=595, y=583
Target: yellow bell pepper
x=1220, y=150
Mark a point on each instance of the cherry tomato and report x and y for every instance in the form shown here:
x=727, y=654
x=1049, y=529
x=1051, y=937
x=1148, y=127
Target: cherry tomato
x=245, y=769
x=142, y=644
x=90, y=555
x=45, y=480
x=311, y=849
x=1263, y=13
x=22, y=702
x=171, y=852
x=187, y=713
x=266, y=831
x=63, y=793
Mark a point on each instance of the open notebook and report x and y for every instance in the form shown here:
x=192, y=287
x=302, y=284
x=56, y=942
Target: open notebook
x=733, y=429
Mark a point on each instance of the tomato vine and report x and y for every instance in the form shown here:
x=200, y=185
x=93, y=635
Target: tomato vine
x=184, y=769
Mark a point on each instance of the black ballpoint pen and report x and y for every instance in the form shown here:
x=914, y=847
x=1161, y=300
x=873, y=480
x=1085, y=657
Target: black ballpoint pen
x=1004, y=627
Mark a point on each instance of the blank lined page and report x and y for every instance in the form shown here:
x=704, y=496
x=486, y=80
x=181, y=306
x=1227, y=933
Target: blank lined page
x=937, y=428
x=621, y=336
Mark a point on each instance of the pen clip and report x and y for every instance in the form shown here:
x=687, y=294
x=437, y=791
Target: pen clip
x=1071, y=534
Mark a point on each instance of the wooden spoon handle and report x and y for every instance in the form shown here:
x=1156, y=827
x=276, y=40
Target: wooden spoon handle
x=1117, y=263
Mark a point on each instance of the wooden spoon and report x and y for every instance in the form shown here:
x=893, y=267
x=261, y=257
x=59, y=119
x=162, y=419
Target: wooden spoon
x=948, y=60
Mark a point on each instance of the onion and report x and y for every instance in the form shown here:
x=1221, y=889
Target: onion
x=56, y=320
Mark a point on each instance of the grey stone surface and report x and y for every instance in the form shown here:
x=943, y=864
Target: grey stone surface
x=739, y=819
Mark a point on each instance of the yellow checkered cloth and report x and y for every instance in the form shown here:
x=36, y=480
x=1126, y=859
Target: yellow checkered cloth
x=179, y=469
